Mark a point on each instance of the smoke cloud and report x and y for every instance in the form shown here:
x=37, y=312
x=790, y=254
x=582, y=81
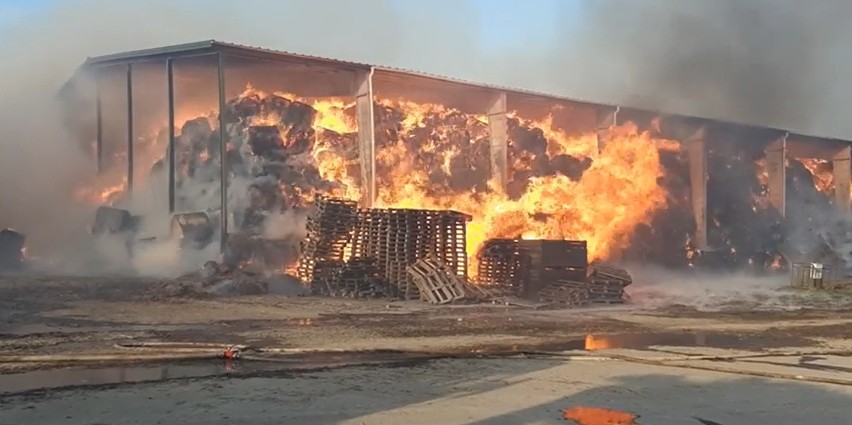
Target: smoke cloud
x=660, y=288
x=765, y=62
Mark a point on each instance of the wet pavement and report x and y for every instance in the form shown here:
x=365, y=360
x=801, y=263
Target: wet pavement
x=57, y=378
x=78, y=376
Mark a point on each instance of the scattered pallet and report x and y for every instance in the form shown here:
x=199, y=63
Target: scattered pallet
x=436, y=282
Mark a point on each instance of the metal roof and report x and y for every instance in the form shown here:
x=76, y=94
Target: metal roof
x=213, y=46
x=210, y=46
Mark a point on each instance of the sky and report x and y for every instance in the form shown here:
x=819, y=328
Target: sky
x=13, y=10
x=498, y=29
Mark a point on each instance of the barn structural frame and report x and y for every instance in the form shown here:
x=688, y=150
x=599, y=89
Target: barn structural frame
x=318, y=76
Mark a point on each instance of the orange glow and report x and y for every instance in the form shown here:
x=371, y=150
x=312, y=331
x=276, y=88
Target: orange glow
x=615, y=194
x=618, y=191
x=100, y=193
x=822, y=172
x=583, y=415
x=598, y=343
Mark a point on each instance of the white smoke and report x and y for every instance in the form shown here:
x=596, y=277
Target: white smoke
x=655, y=288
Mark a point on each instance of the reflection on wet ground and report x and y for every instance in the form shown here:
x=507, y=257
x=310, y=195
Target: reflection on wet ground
x=640, y=340
x=57, y=378
x=593, y=342
x=645, y=340
x=77, y=376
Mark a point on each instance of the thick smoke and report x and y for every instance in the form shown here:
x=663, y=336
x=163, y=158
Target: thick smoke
x=766, y=62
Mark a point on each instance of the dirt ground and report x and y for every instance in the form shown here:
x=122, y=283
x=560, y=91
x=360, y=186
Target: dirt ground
x=84, y=316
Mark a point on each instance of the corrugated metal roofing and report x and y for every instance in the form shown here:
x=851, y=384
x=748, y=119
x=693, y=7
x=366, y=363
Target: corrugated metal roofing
x=211, y=46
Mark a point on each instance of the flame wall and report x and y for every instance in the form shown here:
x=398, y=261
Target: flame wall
x=572, y=171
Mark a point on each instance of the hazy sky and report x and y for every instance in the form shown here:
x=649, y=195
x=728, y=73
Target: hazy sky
x=498, y=29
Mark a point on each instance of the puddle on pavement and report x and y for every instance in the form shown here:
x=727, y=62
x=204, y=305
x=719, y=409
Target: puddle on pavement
x=73, y=377
x=57, y=378
x=594, y=342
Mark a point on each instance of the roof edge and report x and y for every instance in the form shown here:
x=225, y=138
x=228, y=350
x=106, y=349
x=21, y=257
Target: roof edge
x=212, y=45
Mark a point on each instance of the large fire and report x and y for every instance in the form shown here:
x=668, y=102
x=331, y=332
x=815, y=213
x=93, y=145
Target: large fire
x=434, y=157
x=630, y=196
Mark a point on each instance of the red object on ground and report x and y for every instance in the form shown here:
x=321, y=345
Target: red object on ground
x=231, y=353
x=599, y=416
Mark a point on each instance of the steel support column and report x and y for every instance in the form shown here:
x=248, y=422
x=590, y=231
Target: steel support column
x=498, y=133
x=696, y=146
x=223, y=157
x=842, y=165
x=99, y=125
x=776, y=168
x=606, y=123
x=366, y=136
x=171, y=100
x=130, y=129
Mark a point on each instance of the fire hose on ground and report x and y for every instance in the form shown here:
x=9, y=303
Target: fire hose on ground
x=182, y=351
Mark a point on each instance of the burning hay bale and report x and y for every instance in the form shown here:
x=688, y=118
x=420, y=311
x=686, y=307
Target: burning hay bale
x=451, y=149
x=437, y=283
x=528, y=154
x=11, y=250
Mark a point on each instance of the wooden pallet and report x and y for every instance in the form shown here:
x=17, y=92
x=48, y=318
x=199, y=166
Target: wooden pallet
x=437, y=283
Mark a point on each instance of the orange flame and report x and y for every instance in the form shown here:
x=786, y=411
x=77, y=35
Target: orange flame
x=100, y=194
x=822, y=172
x=615, y=194
x=618, y=191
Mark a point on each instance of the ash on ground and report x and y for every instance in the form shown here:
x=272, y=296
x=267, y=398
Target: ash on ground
x=215, y=280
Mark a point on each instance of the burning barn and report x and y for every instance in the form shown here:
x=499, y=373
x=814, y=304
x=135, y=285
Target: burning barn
x=250, y=137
